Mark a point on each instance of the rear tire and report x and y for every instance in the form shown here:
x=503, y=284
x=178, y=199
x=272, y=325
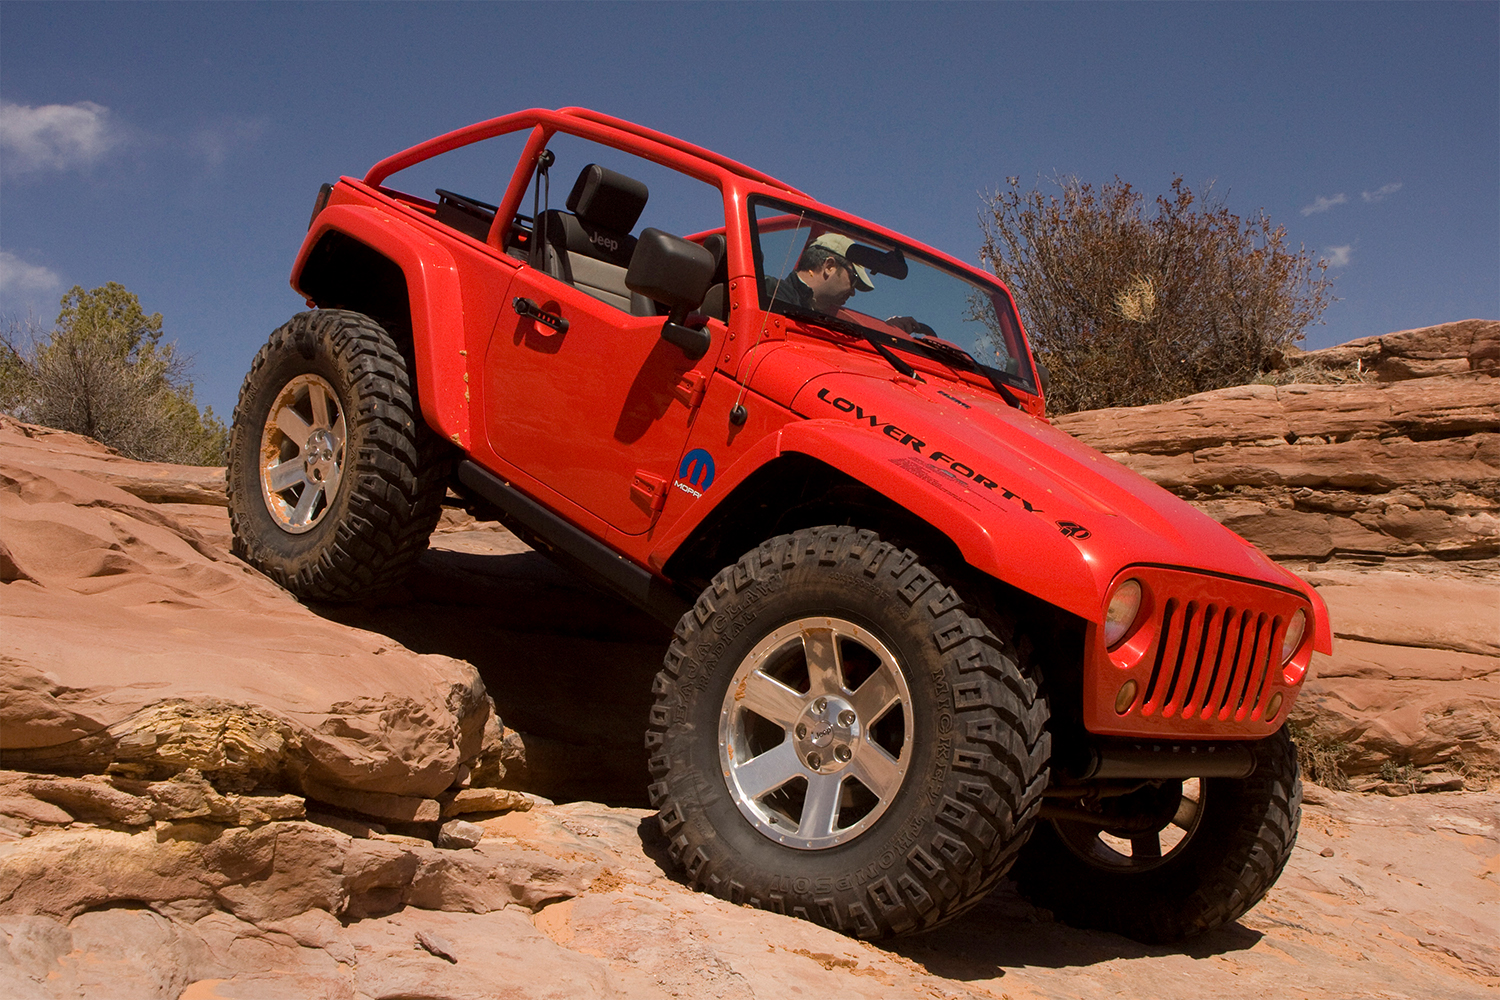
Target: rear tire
x=1236, y=835
x=334, y=481
x=835, y=738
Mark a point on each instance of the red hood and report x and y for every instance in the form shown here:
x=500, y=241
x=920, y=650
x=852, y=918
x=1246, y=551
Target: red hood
x=1121, y=518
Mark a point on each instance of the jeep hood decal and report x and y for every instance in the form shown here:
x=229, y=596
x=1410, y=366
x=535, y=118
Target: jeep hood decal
x=1116, y=516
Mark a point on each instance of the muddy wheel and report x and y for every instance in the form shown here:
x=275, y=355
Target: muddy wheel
x=836, y=738
x=334, y=482
x=1173, y=859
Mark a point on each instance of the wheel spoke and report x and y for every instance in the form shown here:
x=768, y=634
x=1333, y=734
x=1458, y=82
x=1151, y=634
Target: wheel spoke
x=293, y=426
x=770, y=699
x=876, y=695
x=303, y=514
x=768, y=771
x=1145, y=845
x=338, y=433
x=285, y=475
x=1187, y=811
x=824, y=674
x=820, y=809
x=317, y=397
x=876, y=770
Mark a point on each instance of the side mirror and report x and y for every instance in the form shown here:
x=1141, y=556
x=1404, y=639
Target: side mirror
x=676, y=273
x=670, y=270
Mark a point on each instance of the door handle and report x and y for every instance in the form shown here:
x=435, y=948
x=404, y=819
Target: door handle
x=526, y=307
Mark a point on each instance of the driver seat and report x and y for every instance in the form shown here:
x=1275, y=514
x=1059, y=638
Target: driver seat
x=589, y=246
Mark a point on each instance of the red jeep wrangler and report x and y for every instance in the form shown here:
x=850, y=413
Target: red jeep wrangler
x=922, y=637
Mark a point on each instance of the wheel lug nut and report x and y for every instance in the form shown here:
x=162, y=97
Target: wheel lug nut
x=820, y=705
x=814, y=761
x=801, y=731
x=842, y=753
x=846, y=718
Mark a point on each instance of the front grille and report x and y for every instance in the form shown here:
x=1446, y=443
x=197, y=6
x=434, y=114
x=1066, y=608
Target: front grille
x=1205, y=664
x=1211, y=662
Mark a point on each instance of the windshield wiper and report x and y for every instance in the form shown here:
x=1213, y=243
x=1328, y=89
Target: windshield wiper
x=945, y=351
x=853, y=329
x=936, y=349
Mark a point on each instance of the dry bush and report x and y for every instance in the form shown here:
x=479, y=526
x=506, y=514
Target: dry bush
x=1126, y=309
x=1321, y=761
x=102, y=371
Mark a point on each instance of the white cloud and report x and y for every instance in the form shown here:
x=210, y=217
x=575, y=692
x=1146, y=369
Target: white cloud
x=1339, y=256
x=1385, y=192
x=1324, y=204
x=20, y=278
x=216, y=142
x=54, y=136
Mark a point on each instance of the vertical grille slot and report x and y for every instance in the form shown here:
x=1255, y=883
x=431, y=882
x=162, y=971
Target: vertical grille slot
x=1258, y=650
x=1239, y=655
x=1189, y=656
x=1218, y=678
x=1149, y=704
x=1197, y=685
x=1272, y=660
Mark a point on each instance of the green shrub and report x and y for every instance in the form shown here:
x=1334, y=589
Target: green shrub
x=103, y=371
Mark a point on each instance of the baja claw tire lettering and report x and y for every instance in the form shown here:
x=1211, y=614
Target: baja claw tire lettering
x=967, y=802
x=395, y=468
x=1230, y=861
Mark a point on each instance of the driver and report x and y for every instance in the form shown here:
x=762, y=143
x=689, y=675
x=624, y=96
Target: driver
x=824, y=278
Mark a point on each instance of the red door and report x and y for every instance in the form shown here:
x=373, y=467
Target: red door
x=599, y=413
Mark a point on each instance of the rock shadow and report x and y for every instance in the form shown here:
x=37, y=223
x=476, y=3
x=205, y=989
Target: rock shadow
x=1004, y=931
x=568, y=666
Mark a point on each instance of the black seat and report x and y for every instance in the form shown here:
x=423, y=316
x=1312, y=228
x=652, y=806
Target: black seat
x=589, y=246
x=716, y=302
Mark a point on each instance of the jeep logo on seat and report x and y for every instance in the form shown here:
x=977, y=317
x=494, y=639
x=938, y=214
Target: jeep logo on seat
x=611, y=245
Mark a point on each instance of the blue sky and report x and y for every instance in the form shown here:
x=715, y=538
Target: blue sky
x=176, y=148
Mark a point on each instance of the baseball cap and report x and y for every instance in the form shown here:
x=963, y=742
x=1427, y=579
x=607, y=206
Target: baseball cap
x=840, y=245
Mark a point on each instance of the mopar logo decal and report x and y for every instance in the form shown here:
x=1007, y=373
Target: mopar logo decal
x=697, y=469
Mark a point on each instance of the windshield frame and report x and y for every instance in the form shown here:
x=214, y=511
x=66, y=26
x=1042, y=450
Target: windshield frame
x=793, y=215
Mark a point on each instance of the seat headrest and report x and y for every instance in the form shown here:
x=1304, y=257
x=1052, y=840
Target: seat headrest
x=607, y=199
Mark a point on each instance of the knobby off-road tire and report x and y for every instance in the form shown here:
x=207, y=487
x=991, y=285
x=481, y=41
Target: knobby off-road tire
x=1239, y=834
x=335, y=483
x=835, y=738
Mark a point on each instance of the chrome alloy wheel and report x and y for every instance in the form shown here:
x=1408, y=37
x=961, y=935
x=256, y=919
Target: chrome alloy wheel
x=1135, y=846
x=302, y=453
x=815, y=733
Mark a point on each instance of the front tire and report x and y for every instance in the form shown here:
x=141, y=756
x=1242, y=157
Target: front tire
x=334, y=482
x=1214, y=850
x=835, y=738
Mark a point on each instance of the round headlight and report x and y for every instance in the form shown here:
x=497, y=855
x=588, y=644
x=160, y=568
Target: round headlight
x=1293, y=638
x=1120, y=615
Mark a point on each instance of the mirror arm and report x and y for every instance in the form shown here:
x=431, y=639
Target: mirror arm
x=694, y=341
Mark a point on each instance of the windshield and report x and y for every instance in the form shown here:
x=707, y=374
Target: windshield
x=817, y=269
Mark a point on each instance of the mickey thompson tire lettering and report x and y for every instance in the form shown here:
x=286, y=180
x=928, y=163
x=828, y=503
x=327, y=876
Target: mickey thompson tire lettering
x=391, y=468
x=972, y=757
